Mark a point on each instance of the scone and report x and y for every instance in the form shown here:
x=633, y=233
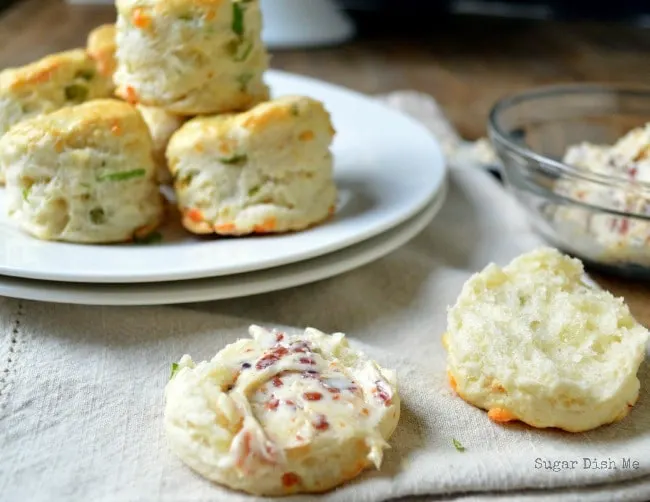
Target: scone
x=59, y=80
x=266, y=170
x=83, y=174
x=162, y=125
x=280, y=414
x=536, y=341
x=191, y=57
x=101, y=47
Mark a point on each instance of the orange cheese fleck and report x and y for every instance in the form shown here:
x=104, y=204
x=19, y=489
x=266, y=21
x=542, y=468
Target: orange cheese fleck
x=500, y=415
x=116, y=129
x=262, y=119
x=266, y=226
x=210, y=15
x=224, y=227
x=140, y=19
x=195, y=215
x=306, y=136
x=452, y=381
x=131, y=95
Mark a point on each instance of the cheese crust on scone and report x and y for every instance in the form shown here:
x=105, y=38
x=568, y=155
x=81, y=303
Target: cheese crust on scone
x=267, y=170
x=83, y=174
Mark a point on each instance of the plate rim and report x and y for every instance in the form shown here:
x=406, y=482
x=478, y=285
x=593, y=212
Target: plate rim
x=185, y=292
x=99, y=276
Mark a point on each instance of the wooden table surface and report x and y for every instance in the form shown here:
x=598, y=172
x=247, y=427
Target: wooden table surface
x=465, y=63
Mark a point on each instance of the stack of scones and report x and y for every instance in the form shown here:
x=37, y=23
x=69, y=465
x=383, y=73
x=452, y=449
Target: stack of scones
x=172, y=93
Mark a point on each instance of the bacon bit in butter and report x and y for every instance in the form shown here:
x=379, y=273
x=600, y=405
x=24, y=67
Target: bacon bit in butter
x=500, y=415
x=313, y=396
x=306, y=360
x=290, y=402
x=300, y=347
x=382, y=393
x=321, y=423
x=273, y=404
x=271, y=357
x=277, y=382
x=279, y=337
x=336, y=397
x=290, y=479
x=333, y=390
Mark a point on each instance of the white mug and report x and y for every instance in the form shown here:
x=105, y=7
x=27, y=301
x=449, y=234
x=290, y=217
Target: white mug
x=292, y=24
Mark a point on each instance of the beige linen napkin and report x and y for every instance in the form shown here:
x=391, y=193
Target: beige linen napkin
x=81, y=388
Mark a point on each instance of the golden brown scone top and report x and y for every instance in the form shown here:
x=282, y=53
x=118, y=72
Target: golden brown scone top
x=86, y=124
x=101, y=47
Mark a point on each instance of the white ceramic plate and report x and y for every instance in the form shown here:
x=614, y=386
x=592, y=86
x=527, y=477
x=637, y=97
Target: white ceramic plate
x=388, y=167
x=220, y=288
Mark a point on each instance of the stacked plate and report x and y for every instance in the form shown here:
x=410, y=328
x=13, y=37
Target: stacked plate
x=391, y=178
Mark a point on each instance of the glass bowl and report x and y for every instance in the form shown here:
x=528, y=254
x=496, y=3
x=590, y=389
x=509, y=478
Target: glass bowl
x=601, y=218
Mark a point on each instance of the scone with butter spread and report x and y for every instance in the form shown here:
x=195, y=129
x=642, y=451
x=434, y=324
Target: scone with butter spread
x=63, y=79
x=537, y=341
x=83, y=174
x=280, y=414
x=267, y=170
x=191, y=57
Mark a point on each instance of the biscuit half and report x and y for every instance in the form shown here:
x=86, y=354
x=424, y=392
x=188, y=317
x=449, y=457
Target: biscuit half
x=537, y=342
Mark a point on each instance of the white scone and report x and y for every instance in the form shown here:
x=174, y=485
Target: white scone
x=189, y=56
x=262, y=171
x=280, y=414
x=162, y=125
x=101, y=47
x=537, y=342
x=59, y=80
x=83, y=174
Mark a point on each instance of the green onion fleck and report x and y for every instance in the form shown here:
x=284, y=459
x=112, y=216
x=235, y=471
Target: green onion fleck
x=295, y=111
x=186, y=17
x=152, y=238
x=235, y=159
x=26, y=192
x=457, y=445
x=97, y=216
x=122, y=175
x=238, y=19
x=253, y=191
x=77, y=93
x=174, y=370
x=240, y=49
x=85, y=74
x=244, y=80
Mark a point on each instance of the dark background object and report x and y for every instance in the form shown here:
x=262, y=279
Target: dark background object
x=624, y=11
